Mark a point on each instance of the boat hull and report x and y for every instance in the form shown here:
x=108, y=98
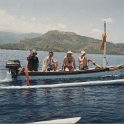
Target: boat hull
x=91, y=73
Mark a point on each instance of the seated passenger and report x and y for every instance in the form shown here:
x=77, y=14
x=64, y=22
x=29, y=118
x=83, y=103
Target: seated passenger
x=33, y=61
x=83, y=62
x=68, y=62
x=49, y=63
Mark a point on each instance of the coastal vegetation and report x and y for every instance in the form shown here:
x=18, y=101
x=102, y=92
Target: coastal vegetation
x=60, y=41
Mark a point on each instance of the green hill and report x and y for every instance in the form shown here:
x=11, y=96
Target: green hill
x=63, y=41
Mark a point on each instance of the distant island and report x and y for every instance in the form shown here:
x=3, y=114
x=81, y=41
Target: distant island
x=60, y=41
x=10, y=37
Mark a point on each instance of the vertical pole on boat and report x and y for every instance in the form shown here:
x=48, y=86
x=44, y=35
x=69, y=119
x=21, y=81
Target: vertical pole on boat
x=104, y=58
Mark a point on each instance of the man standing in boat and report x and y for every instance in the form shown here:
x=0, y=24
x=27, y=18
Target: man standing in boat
x=69, y=62
x=83, y=62
x=49, y=63
x=33, y=61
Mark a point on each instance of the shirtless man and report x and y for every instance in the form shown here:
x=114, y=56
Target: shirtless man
x=83, y=62
x=49, y=63
x=68, y=62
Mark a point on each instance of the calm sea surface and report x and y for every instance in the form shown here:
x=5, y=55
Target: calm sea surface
x=94, y=104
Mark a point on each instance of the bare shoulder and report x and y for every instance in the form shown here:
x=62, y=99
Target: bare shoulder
x=73, y=58
x=46, y=58
x=79, y=57
x=65, y=57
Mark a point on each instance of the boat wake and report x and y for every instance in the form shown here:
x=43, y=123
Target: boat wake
x=119, y=81
x=5, y=76
x=5, y=80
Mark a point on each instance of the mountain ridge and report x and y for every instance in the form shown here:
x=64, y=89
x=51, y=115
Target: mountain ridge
x=61, y=41
x=10, y=37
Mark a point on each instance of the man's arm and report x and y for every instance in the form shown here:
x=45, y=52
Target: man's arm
x=87, y=61
x=45, y=64
x=79, y=60
x=74, y=64
x=63, y=64
x=54, y=61
x=37, y=62
x=29, y=57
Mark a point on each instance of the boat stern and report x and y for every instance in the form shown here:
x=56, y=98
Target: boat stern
x=13, y=66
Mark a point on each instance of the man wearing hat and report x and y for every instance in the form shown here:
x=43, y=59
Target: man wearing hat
x=69, y=62
x=33, y=61
x=83, y=62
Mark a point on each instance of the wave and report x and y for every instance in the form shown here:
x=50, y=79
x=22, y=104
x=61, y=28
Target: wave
x=5, y=80
x=5, y=76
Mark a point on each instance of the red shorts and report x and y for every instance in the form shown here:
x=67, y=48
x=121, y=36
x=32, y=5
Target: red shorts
x=69, y=67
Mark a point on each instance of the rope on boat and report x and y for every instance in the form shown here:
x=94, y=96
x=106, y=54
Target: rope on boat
x=98, y=66
x=20, y=70
x=26, y=74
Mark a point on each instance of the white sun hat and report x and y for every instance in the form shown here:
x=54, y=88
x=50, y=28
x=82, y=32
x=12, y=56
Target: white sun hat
x=69, y=52
x=82, y=52
x=34, y=51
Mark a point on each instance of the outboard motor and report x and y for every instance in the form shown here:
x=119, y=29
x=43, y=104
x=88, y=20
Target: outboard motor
x=13, y=66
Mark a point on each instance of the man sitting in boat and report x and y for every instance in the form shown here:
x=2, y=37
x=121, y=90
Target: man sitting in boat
x=49, y=63
x=69, y=62
x=33, y=61
x=83, y=62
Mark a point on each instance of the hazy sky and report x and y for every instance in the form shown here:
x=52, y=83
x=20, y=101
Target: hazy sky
x=84, y=17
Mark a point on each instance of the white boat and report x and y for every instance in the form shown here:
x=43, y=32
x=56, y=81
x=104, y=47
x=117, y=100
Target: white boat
x=59, y=121
x=90, y=73
x=24, y=74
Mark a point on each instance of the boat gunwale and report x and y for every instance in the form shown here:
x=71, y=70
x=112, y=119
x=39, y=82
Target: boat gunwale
x=65, y=72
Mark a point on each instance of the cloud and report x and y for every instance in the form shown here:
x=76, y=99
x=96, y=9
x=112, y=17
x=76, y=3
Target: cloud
x=90, y=24
x=61, y=27
x=97, y=30
x=109, y=20
x=23, y=24
x=19, y=5
x=33, y=19
x=2, y=12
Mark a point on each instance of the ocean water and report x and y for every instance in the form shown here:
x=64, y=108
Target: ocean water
x=94, y=104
